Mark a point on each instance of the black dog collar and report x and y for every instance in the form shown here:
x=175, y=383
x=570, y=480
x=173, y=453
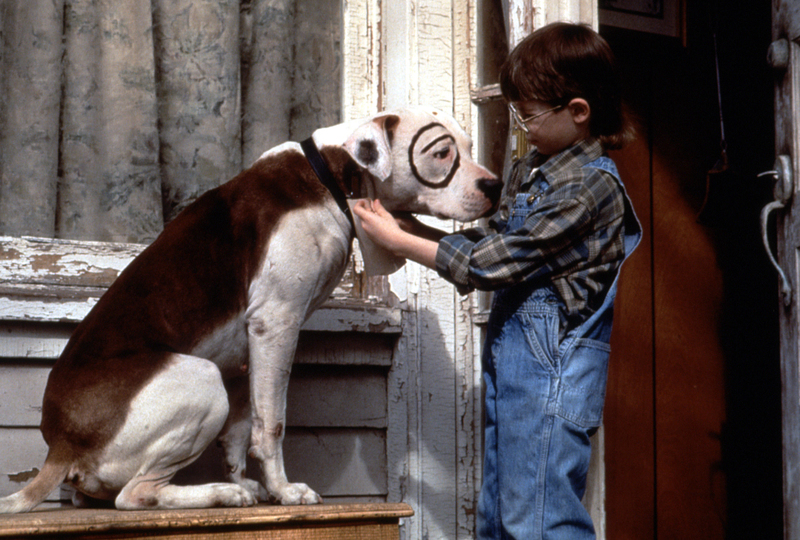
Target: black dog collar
x=317, y=163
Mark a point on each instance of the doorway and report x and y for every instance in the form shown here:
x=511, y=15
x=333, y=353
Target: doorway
x=693, y=440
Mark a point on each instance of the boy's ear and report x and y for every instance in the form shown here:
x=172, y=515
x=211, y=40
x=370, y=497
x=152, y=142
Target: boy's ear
x=580, y=110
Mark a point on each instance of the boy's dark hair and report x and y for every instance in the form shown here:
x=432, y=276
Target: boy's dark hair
x=563, y=61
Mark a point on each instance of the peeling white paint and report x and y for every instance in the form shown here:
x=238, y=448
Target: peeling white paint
x=67, y=262
x=27, y=309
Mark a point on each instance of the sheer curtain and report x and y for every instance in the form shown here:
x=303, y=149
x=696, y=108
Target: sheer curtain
x=116, y=115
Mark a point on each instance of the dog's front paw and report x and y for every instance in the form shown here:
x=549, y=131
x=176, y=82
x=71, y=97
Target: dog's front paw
x=294, y=494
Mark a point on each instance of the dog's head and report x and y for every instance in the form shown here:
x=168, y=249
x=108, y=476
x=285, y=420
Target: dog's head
x=421, y=159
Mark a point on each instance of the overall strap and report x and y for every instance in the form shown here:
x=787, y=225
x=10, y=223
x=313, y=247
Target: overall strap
x=632, y=237
x=633, y=229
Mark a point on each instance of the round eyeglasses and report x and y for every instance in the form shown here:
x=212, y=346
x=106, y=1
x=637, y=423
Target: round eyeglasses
x=521, y=122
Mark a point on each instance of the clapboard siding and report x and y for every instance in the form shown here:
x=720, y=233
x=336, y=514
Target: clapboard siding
x=319, y=396
x=324, y=396
x=338, y=402
x=46, y=341
x=336, y=411
x=21, y=389
x=23, y=453
x=336, y=462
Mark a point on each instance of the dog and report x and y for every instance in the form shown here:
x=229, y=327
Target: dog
x=195, y=339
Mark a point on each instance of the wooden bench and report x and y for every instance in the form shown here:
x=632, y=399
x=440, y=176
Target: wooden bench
x=376, y=521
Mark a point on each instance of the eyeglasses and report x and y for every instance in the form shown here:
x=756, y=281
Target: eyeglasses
x=521, y=122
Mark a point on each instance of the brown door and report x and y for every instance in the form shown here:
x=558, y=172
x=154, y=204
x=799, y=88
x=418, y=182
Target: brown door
x=693, y=406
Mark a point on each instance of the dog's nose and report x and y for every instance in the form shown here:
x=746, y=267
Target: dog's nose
x=491, y=187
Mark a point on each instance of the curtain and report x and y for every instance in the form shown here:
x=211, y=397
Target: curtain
x=116, y=115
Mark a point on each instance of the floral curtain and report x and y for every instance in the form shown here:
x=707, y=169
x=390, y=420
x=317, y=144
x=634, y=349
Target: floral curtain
x=116, y=115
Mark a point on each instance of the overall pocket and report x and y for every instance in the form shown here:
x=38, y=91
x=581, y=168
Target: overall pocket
x=540, y=323
x=582, y=392
x=523, y=328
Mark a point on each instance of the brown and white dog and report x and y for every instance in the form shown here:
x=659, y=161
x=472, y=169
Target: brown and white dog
x=195, y=339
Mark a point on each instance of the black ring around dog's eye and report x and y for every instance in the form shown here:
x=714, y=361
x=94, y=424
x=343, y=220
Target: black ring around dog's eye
x=456, y=162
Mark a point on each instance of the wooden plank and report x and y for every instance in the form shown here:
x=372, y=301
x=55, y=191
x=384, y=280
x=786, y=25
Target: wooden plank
x=27, y=308
x=23, y=453
x=786, y=24
x=361, y=316
x=318, y=396
x=362, y=91
x=336, y=462
x=38, y=303
x=368, y=531
x=467, y=380
x=345, y=348
x=486, y=94
x=21, y=391
x=40, y=341
x=437, y=429
x=34, y=341
x=362, y=521
x=326, y=397
x=63, y=262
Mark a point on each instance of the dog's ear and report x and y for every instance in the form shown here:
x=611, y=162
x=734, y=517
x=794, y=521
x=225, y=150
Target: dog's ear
x=370, y=145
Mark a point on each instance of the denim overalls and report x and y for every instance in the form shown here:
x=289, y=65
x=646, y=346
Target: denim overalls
x=544, y=398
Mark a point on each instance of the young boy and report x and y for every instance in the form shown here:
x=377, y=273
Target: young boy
x=552, y=254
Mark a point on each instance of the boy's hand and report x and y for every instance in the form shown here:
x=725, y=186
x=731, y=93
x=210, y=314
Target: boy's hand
x=384, y=230
x=378, y=223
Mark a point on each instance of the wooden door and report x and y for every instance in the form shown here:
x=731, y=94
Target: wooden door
x=692, y=412
x=784, y=56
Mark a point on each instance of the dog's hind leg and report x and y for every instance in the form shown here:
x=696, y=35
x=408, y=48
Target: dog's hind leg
x=169, y=424
x=235, y=436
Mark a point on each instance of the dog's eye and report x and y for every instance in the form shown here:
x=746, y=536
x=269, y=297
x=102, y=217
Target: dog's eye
x=443, y=153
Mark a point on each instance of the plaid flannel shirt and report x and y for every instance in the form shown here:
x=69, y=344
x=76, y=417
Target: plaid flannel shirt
x=572, y=239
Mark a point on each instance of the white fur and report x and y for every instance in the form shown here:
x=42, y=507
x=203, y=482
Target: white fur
x=171, y=421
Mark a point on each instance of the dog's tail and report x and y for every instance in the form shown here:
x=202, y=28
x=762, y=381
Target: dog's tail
x=53, y=473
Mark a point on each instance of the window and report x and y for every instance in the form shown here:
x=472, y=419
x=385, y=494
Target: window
x=114, y=117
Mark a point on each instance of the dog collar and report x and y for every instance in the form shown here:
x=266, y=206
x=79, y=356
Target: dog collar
x=322, y=171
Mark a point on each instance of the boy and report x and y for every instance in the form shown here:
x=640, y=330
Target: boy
x=552, y=254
